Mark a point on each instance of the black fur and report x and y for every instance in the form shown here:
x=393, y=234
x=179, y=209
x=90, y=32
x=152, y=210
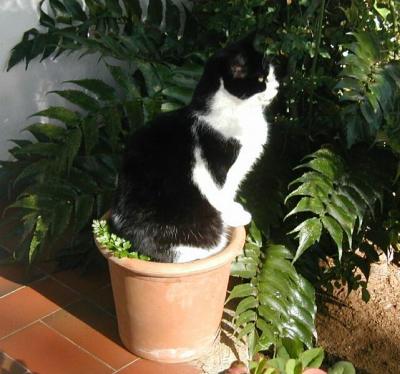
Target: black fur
x=156, y=205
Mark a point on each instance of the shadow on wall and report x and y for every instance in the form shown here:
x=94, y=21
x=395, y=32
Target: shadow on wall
x=24, y=92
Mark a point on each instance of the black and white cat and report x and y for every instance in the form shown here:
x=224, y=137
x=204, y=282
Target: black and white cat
x=175, y=199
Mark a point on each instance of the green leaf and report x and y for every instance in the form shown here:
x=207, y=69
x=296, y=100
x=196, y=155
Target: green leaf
x=242, y=290
x=342, y=367
x=82, y=181
x=183, y=95
x=367, y=47
x=83, y=211
x=246, y=330
x=22, y=50
x=293, y=367
x=345, y=221
x=72, y=145
x=80, y=99
x=60, y=218
x=357, y=201
x=278, y=363
x=30, y=221
x=246, y=317
x=28, y=202
x=245, y=304
x=52, y=189
x=113, y=120
x=293, y=347
x=114, y=7
x=90, y=133
x=44, y=132
x=74, y=9
x=101, y=89
x=37, y=149
x=38, y=167
x=308, y=204
x=317, y=188
x=312, y=358
x=365, y=295
x=152, y=80
x=335, y=231
x=309, y=232
x=255, y=234
x=134, y=110
x=37, y=240
x=45, y=20
x=324, y=166
x=60, y=113
x=125, y=81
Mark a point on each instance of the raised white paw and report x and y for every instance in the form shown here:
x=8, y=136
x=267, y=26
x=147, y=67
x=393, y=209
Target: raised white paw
x=235, y=215
x=272, y=88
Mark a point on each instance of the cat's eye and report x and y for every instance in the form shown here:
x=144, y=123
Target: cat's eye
x=261, y=79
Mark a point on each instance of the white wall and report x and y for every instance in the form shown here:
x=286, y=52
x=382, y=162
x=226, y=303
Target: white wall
x=23, y=92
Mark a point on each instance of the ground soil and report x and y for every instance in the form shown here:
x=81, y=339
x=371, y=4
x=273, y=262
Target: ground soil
x=367, y=334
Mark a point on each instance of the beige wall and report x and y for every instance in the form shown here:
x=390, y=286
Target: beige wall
x=23, y=92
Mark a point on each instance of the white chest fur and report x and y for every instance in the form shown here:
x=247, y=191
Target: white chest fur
x=244, y=121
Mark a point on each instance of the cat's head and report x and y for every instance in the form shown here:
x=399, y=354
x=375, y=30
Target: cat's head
x=242, y=68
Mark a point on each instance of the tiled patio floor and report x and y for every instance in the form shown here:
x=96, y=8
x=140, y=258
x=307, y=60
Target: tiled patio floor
x=64, y=323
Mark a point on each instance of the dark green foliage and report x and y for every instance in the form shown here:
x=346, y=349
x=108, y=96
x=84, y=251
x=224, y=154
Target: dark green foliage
x=334, y=140
x=337, y=197
x=276, y=302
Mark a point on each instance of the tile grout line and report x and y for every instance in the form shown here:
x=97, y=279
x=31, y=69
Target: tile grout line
x=85, y=297
x=80, y=347
x=24, y=286
x=38, y=319
x=128, y=364
x=103, y=309
x=13, y=291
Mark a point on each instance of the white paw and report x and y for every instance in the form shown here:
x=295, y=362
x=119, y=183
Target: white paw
x=272, y=88
x=236, y=215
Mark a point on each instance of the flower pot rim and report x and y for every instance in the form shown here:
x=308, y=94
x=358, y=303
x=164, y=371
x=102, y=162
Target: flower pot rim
x=169, y=270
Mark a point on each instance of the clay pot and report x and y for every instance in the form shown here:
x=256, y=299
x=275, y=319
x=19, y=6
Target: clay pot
x=171, y=312
x=314, y=371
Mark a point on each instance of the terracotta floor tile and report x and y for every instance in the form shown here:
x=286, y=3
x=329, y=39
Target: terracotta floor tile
x=31, y=303
x=44, y=351
x=150, y=367
x=92, y=329
x=84, y=281
x=13, y=276
x=104, y=298
x=10, y=366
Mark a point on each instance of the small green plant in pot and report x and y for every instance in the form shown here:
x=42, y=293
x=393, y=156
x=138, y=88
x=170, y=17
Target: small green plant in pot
x=118, y=246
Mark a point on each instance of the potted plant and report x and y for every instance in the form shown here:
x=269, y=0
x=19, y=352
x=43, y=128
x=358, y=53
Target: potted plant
x=170, y=312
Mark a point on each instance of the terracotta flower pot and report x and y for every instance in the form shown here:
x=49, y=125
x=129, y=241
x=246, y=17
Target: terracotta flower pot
x=171, y=312
x=314, y=371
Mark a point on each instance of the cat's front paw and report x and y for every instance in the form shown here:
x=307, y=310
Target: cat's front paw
x=272, y=88
x=236, y=216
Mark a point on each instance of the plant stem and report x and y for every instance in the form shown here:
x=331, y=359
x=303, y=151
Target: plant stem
x=395, y=25
x=315, y=59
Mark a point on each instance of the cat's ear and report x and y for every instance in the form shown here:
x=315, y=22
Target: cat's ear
x=238, y=67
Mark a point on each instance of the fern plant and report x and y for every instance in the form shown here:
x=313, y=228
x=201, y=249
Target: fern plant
x=65, y=178
x=275, y=301
x=337, y=199
x=339, y=74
